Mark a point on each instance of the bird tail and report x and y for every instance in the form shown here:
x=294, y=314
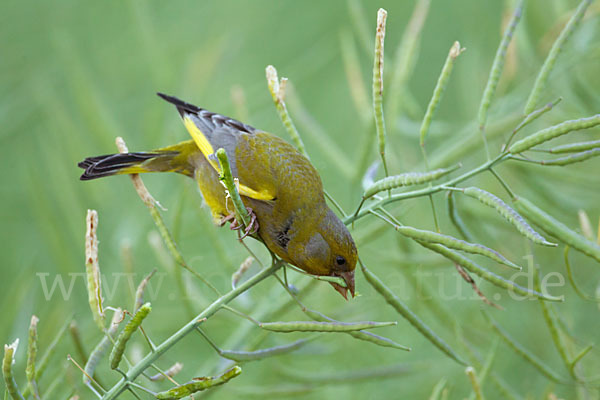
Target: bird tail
x=174, y=158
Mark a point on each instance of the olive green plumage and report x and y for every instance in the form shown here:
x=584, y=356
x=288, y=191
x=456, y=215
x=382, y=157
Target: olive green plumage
x=277, y=183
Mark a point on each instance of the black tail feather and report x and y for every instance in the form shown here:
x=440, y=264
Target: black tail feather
x=181, y=105
x=110, y=164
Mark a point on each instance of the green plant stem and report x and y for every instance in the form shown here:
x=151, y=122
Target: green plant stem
x=141, y=366
x=427, y=191
x=503, y=183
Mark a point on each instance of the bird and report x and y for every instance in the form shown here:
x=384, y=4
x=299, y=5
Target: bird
x=280, y=187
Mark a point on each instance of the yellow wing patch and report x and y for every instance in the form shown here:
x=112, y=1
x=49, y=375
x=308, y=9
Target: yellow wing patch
x=207, y=149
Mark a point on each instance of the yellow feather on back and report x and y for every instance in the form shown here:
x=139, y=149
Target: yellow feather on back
x=207, y=149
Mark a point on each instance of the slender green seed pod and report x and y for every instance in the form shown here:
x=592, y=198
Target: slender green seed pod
x=529, y=118
x=523, y=352
x=575, y=147
x=227, y=178
x=585, y=225
x=360, y=335
x=102, y=347
x=411, y=317
x=578, y=358
x=240, y=356
x=7, y=362
x=484, y=273
x=277, y=90
x=551, y=321
x=470, y=371
x=171, y=372
x=92, y=269
x=368, y=178
x=167, y=238
x=198, y=384
x=406, y=179
x=498, y=66
x=359, y=22
x=440, y=87
x=553, y=132
x=45, y=359
x=378, y=85
x=378, y=340
x=31, y=356
x=139, y=293
x=152, y=204
x=556, y=228
x=125, y=335
x=485, y=370
x=307, y=326
x=433, y=237
x=557, y=47
x=237, y=275
x=508, y=213
x=573, y=158
x=456, y=219
x=405, y=58
x=576, y=287
x=437, y=389
x=354, y=75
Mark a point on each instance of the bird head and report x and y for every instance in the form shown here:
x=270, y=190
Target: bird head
x=328, y=250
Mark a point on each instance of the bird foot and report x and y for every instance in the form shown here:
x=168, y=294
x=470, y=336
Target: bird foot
x=234, y=225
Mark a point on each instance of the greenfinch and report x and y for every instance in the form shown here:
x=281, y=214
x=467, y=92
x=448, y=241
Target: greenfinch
x=278, y=185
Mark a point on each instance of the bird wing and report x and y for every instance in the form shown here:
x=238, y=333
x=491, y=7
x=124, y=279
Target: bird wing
x=212, y=131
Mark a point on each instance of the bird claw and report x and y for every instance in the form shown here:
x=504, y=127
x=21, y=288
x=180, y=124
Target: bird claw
x=251, y=229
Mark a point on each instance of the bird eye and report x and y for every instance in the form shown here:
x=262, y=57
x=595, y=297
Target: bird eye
x=340, y=260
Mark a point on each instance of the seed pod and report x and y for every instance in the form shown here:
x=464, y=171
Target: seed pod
x=102, y=347
x=7, y=362
x=575, y=147
x=573, y=158
x=484, y=273
x=198, y=384
x=307, y=326
x=411, y=317
x=552, y=132
x=523, y=352
x=125, y=335
x=263, y=353
x=45, y=359
x=277, y=90
x=230, y=183
x=31, y=356
x=171, y=372
x=456, y=219
x=433, y=237
x=92, y=269
x=551, y=321
x=508, y=213
x=378, y=85
x=470, y=371
x=557, y=46
x=139, y=293
x=556, y=228
x=406, y=179
x=237, y=275
x=360, y=335
x=439, y=89
x=497, y=66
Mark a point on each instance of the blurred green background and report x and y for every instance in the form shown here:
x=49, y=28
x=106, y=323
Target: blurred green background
x=74, y=75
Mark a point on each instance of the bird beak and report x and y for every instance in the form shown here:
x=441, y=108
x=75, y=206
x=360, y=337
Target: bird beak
x=349, y=279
